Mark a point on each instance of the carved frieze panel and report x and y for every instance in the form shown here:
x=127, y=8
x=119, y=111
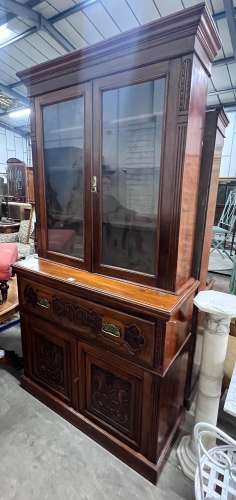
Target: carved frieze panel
x=49, y=363
x=110, y=397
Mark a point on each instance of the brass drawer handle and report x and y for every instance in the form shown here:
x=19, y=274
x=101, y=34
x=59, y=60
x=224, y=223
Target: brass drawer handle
x=44, y=303
x=111, y=329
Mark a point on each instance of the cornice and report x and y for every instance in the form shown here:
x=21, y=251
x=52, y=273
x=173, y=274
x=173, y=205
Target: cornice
x=195, y=22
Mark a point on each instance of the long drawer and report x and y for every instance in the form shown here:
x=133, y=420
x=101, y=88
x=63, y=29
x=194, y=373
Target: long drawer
x=117, y=331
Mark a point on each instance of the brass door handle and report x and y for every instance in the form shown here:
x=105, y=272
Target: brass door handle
x=111, y=330
x=94, y=184
x=44, y=303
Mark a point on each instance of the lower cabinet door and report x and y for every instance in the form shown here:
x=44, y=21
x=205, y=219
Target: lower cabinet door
x=49, y=356
x=111, y=393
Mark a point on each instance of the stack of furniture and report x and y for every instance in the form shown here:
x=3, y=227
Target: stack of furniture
x=106, y=322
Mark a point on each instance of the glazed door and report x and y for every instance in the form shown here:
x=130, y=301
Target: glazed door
x=128, y=133
x=63, y=130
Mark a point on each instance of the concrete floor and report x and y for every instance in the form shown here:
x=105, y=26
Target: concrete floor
x=43, y=457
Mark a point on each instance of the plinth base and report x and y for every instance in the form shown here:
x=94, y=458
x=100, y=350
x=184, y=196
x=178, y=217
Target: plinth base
x=186, y=457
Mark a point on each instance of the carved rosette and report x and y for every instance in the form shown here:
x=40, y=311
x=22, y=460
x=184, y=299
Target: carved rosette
x=30, y=296
x=134, y=339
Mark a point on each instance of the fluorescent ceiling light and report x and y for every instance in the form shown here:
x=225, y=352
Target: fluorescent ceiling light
x=20, y=113
x=5, y=33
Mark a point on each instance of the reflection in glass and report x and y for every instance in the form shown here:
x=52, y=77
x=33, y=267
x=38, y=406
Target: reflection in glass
x=63, y=127
x=132, y=133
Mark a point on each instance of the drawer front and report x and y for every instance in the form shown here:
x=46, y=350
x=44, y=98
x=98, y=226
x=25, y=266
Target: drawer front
x=48, y=355
x=125, y=334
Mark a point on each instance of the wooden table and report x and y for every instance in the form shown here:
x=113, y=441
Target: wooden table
x=11, y=306
x=9, y=227
x=230, y=402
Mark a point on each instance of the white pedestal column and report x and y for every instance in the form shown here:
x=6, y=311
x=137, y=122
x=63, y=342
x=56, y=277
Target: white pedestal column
x=220, y=308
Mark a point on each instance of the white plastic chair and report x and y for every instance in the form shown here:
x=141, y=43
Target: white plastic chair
x=215, y=476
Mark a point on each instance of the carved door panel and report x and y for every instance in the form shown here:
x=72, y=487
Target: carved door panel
x=111, y=393
x=50, y=360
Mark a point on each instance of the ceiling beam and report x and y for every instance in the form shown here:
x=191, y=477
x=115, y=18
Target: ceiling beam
x=17, y=130
x=221, y=15
x=14, y=95
x=230, y=16
x=22, y=10
x=6, y=18
x=224, y=60
x=72, y=10
x=222, y=91
x=16, y=38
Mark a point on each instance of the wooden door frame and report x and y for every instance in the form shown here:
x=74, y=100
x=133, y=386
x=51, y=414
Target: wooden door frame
x=76, y=91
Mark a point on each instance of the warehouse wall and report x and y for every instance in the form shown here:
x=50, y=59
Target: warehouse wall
x=13, y=145
x=228, y=161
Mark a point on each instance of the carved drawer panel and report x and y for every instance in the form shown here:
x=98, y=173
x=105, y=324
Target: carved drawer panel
x=111, y=395
x=128, y=335
x=50, y=356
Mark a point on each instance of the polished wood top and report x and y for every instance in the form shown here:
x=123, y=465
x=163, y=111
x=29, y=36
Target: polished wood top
x=11, y=305
x=151, y=298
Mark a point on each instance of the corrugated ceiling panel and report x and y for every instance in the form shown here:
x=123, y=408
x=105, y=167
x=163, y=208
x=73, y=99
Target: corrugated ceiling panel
x=101, y=20
x=144, y=10
x=2, y=12
x=190, y=3
x=27, y=48
x=121, y=13
x=84, y=27
x=12, y=61
x=167, y=7
x=212, y=100
x=21, y=90
x=61, y=5
x=210, y=85
x=13, y=50
x=8, y=70
x=44, y=47
x=225, y=37
x=218, y=6
x=220, y=77
x=227, y=97
x=19, y=26
x=232, y=70
x=49, y=39
x=5, y=77
x=66, y=29
x=45, y=9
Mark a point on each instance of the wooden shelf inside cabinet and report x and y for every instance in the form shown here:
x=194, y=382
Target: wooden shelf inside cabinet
x=117, y=135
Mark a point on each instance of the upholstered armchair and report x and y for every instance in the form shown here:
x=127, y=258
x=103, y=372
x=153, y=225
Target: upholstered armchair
x=23, y=239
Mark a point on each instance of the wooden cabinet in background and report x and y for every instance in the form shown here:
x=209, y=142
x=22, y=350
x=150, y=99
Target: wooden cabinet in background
x=213, y=141
x=20, y=181
x=117, y=136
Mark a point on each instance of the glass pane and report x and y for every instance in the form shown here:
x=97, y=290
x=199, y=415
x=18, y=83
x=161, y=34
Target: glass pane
x=63, y=127
x=131, y=154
